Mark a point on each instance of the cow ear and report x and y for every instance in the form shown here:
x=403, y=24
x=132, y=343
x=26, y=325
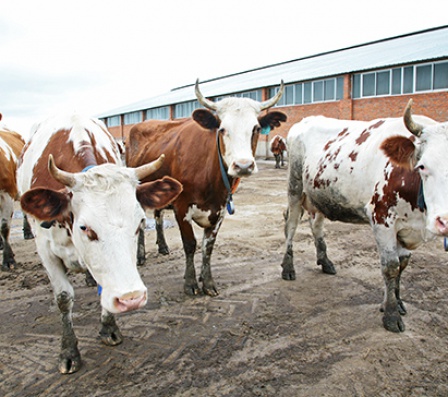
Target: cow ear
x=401, y=151
x=206, y=119
x=46, y=204
x=272, y=119
x=158, y=194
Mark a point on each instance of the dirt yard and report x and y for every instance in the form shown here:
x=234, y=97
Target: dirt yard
x=320, y=335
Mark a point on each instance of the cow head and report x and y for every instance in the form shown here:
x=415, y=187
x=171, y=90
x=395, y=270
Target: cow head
x=102, y=209
x=238, y=123
x=425, y=152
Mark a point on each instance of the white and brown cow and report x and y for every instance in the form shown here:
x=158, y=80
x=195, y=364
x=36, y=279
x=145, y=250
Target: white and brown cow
x=391, y=173
x=11, y=145
x=277, y=145
x=207, y=153
x=88, y=209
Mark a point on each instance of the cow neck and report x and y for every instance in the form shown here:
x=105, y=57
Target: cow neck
x=86, y=151
x=225, y=178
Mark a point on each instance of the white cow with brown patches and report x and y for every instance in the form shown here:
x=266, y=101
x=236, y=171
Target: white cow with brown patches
x=11, y=145
x=391, y=173
x=88, y=209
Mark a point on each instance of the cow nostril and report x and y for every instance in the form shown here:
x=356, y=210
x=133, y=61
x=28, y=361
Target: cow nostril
x=243, y=167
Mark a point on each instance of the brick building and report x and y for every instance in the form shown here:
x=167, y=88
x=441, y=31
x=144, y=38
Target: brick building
x=361, y=82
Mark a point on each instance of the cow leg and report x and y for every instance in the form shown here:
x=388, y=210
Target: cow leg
x=8, y=255
x=317, y=228
x=110, y=333
x=27, y=231
x=277, y=161
x=141, y=250
x=208, y=242
x=292, y=216
x=69, y=357
x=404, y=261
x=282, y=160
x=161, y=242
x=189, y=243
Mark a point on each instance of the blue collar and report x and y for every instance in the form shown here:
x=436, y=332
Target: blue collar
x=225, y=178
x=88, y=168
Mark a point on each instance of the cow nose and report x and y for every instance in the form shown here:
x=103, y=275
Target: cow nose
x=442, y=225
x=131, y=301
x=243, y=167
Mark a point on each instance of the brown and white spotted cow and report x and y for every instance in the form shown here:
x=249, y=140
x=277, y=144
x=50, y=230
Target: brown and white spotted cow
x=192, y=148
x=11, y=145
x=391, y=173
x=278, y=148
x=88, y=209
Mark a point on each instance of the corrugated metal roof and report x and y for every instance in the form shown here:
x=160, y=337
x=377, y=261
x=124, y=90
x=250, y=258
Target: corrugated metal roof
x=415, y=47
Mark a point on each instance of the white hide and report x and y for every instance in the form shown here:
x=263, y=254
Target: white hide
x=353, y=181
x=239, y=119
x=104, y=201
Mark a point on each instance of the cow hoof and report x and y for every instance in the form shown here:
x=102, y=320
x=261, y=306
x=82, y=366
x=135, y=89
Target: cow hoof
x=210, y=291
x=111, y=336
x=289, y=274
x=164, y=251
x=28, y=235
x=327, y=267
x=191, y=289
x=6, y=267
x=393, y=322
x=69, y=362
x=141, y=261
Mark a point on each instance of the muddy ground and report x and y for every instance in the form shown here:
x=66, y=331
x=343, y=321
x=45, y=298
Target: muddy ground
x=320, y=335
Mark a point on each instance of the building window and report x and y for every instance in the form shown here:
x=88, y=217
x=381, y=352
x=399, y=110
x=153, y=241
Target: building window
x=310, y=92
x=113, y=121
x=396, y=81
x=133, y=117
x=405, y=80
x=162, y=113
x=440, y=75
x=383, y=83
x=255, y=95
x=185, y=109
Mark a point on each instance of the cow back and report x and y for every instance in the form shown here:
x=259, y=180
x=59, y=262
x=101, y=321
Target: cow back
x=81, y=142
x=11, y=145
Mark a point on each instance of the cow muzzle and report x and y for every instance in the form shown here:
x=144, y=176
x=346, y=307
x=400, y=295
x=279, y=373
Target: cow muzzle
x=442, y=225
x=242, y=167
x=130, y=301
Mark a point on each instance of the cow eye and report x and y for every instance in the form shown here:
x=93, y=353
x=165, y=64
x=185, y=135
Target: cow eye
x=420, y=167
x=257, y=129
x=91, y=235
x=222, y=131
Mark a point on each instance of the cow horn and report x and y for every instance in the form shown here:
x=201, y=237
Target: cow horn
x=202, y=100
x=143, y=171
x=271, y=102
x=66, y=178
x=410, y=124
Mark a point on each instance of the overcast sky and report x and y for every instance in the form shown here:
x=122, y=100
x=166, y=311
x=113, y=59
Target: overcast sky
x=91, y=56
